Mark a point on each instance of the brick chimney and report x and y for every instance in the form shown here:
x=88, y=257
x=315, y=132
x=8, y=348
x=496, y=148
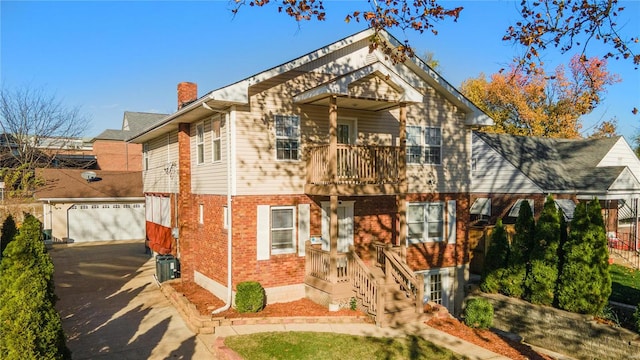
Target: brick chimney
x=187, y=93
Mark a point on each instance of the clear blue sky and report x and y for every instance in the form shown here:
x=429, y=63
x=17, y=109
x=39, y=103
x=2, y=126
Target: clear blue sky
x=109, y=57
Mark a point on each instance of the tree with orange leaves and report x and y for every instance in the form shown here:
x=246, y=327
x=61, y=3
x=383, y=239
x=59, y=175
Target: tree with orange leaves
x=535, y=104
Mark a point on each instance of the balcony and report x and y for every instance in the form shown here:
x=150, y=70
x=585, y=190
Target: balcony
x=361, y=170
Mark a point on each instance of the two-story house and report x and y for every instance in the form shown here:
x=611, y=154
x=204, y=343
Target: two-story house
x=276, y=177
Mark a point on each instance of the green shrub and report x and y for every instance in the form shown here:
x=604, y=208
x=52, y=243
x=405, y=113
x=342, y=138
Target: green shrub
x=495, y=260
x=478, y=313
x=30, y=326
x=9, y=231
x=249, y=297
x=585, y=282
x=540, y=283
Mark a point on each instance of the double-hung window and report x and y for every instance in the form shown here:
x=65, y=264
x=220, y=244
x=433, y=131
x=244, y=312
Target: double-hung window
x=282, y=229
x=425, y=222
x=215, y=140
x=432, y=145
x=414, y=148
x=287, y=137
x=424, y=145
x=200, y=142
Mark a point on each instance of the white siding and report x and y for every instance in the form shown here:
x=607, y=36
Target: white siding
x=452, y=176
x=621, y=154
x=209, y=177
x=162, y=175
x=494, y=174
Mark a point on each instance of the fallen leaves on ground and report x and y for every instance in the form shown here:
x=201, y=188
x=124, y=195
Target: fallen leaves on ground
x=487, y=339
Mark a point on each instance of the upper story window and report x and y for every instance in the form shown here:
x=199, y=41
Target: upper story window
x=200, y=142
x=425, y=222
x=424, y=145
x=145, y=156
x=287, y=137
x=215, y=140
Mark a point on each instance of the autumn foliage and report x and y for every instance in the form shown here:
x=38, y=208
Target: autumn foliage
x=537, y=104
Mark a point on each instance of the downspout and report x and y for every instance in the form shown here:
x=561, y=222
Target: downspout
x=229, y=117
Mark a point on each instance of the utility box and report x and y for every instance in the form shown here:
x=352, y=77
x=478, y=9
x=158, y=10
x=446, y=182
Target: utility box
x=167, y=268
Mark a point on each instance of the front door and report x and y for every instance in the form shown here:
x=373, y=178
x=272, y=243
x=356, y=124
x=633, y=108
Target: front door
x=345, y=226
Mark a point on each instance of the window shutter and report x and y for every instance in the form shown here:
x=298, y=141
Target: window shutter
x=303, y=226
x=263, y=246
x=451, y=221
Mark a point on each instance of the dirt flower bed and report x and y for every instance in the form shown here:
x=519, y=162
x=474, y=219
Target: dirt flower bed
x=205, y=302
x=487, y=339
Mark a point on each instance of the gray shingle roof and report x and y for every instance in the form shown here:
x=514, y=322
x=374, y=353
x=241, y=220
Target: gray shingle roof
x=558, y=164
x=138, y=121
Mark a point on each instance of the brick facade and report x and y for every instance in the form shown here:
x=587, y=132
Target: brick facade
x=114, y=155
x=204, y=245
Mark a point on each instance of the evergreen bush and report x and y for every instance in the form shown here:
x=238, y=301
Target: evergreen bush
x=249, y=297
x=30, y=327
x=585, y=283
x=540, y=283
x=521, y=246
x=478, y=313
x=495, y=260
x=9, y=231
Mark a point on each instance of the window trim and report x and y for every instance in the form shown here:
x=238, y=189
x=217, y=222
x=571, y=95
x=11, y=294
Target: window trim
x=425, y=234
x=429, y=146
x=423, y=145
x=291, y=250
x=200, y=143
x=286, y=138
x=216, y=138
x=201, y=214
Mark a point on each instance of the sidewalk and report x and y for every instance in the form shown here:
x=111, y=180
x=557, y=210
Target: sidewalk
x=437, y=337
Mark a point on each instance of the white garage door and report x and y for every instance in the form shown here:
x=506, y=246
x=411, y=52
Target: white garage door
x=106, y=221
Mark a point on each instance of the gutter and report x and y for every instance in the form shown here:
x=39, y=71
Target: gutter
x=227, y=305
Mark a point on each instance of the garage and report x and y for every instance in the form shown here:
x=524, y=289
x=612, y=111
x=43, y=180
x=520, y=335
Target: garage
x=106, y=221
x=107, y=206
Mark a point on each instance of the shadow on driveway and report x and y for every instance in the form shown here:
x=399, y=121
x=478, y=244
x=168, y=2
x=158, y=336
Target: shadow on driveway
x=111, y=306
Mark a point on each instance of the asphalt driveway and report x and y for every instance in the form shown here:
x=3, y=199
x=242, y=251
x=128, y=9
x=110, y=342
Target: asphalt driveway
x=112, y=308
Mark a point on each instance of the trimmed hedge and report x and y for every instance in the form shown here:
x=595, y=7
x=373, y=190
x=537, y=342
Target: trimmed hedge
x=478, y=313
x=249, y=297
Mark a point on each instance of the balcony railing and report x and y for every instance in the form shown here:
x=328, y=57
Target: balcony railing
x=356, y=165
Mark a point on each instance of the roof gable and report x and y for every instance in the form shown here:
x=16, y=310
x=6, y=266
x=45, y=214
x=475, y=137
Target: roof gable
x=558, y=165
x=347, y=61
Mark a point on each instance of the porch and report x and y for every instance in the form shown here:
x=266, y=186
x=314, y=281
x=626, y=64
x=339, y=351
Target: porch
x=360, y=170
x=387, y=289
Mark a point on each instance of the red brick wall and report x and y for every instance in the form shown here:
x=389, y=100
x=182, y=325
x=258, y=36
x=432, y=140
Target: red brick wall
x=204, y=246
x=187, y=212
x=118, y=155
x=431, y=255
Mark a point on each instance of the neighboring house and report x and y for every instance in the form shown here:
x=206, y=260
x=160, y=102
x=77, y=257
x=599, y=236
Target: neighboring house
x=108, y=207
x=275, y=177
x=113, y=153
x=508, y=170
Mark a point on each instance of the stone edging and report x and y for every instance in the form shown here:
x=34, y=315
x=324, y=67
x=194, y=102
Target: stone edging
x=203, y=324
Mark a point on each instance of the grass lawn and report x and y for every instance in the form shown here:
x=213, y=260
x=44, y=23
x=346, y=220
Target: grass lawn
x=310, y=345
x=625, y=285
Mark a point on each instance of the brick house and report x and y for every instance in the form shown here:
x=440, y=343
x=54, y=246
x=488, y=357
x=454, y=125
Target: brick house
x=276, y=177
x=112, y=152
x=509, y=170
